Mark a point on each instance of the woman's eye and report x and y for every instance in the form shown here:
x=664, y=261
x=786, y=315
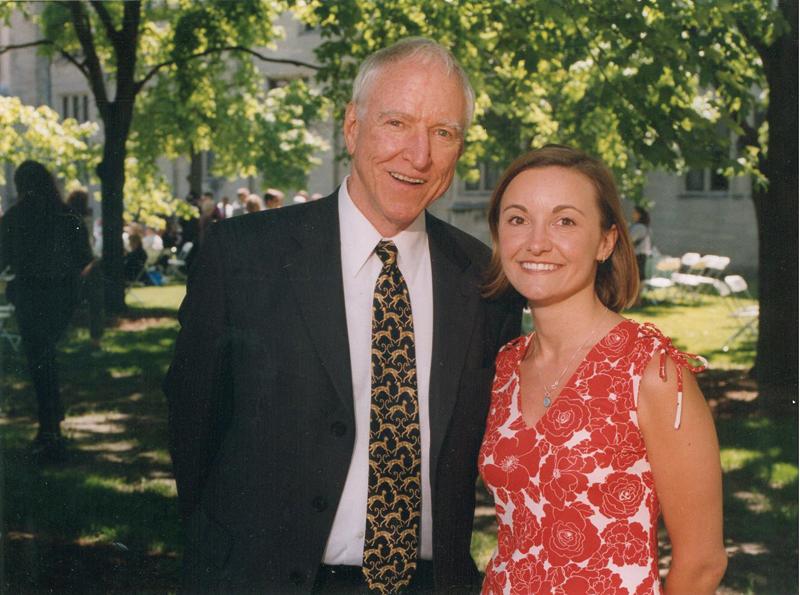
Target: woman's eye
x=566, y=221
x=516, y=220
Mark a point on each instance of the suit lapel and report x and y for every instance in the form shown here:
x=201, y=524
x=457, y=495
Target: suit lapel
x=315, y=271
x=455, y=304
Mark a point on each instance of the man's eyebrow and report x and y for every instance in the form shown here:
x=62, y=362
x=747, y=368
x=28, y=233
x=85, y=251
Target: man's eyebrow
x=397, y=114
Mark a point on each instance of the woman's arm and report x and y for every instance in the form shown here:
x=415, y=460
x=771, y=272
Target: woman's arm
x=688, y=478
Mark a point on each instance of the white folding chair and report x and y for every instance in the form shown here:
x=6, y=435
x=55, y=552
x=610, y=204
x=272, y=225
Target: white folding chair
x=661, y=279
x=6, y=311
x=176, y=266
x=744, y=313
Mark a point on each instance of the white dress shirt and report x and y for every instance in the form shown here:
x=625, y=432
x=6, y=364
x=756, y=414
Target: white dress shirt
x=360, y=270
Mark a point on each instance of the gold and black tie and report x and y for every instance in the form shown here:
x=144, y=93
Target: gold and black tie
x=395, y=494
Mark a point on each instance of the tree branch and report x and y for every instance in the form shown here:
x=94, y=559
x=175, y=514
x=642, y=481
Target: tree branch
x=94, y=70
x=127, y=52
x=19, y=46
x=64, y=53
x=233, y=48
x=108, y=23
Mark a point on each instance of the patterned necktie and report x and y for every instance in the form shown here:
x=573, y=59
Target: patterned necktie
x=395, y=494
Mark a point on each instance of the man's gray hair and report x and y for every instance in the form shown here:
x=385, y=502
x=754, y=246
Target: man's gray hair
x=425, y=51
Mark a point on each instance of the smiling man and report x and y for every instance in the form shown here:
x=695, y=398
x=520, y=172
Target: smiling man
x=329, y=389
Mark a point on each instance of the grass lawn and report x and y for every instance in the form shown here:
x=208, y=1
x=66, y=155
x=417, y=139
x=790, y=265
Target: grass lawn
x=107, y=520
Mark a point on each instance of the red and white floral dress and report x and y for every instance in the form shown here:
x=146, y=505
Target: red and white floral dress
x=576, y=505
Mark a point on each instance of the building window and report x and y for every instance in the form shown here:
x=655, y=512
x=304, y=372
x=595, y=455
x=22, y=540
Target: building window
x=706, y=180
x=490, y=173
x=75, y=106
x=277, y=83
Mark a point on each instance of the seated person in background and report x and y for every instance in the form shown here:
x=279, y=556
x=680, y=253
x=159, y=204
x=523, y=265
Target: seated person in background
x=135, y=259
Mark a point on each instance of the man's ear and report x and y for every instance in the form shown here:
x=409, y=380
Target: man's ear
x=350, y=127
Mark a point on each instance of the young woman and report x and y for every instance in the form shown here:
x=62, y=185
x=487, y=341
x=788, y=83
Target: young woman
x=595, y=426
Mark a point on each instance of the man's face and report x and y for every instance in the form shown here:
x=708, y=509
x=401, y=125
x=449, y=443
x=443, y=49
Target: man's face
x=404, y=142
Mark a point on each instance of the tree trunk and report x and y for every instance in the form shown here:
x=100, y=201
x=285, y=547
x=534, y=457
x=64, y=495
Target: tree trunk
x=112, y=183
x=195, y=177
x=776, y=212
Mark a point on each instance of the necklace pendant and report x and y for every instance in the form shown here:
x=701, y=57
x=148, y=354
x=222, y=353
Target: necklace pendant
x=547, y=399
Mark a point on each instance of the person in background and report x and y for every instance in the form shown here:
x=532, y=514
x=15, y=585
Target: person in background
x=597, y=426
x=135, y=259
x=241, y=199
x=47, y=249
x=254, y=204
x=300, y=197
x=92, y=290
x=273, y=198
x=226, y=209
x=208, y=215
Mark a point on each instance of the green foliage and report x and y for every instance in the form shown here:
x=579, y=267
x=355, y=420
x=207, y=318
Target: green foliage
x=643, y=85
x=204, y=92
x=28, y=132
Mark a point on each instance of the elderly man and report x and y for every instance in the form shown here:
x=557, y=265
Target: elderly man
x=330, y=385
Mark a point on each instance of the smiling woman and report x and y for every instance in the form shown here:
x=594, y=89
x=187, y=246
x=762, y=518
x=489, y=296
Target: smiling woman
x=593, y=430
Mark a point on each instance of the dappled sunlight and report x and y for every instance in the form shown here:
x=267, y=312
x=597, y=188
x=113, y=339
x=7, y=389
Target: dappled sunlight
x=755, y=501
x=96, y=423
x=748, y=549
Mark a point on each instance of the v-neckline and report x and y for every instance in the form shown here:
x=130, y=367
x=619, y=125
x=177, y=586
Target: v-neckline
x=570, y=381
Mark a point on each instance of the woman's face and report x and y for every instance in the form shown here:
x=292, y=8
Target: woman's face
x=550, y=236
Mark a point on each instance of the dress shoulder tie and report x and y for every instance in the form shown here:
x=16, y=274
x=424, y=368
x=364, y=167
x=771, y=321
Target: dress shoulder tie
x=680, y=358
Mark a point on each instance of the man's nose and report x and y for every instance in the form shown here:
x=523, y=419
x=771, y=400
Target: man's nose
x=418, y=149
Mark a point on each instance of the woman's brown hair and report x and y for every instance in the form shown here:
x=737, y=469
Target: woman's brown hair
x=617, y=280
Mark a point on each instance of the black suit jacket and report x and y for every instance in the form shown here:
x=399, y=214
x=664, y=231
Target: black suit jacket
x=260, y=398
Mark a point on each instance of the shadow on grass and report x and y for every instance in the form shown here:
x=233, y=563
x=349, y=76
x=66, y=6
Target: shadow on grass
x=86, y=526
x=107, y=520
x=760, y=503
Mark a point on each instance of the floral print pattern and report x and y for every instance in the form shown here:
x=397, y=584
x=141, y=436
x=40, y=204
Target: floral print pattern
x=574, y=494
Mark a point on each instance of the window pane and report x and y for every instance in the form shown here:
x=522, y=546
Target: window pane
x=718, y=181
x=492, y=174
x=694, y=180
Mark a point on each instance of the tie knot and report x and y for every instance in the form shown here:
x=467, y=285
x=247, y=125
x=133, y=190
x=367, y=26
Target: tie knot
x=387, y=252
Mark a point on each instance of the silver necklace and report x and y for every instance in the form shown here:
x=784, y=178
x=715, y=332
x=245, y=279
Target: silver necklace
x=549, y=389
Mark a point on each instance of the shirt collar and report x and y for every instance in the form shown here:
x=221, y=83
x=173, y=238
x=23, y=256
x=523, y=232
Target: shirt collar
x=358, y=236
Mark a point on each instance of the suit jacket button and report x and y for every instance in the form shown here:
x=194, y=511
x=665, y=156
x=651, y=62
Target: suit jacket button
x=319, y=504
x=296, y=577
x=338, y=429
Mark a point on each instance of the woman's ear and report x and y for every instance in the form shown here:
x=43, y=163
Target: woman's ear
x=607, y=244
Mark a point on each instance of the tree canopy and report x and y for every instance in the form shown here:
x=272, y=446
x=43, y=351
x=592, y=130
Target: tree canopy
x=38, y=133
x=172, y=79
x=644, y=85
